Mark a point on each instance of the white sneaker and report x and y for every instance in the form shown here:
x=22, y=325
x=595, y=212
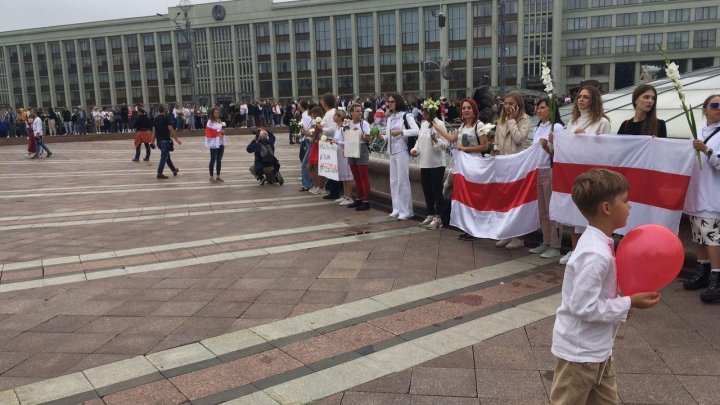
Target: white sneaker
x=435, y=223
x=339, y=200
x=427, y=220
x=313, y=190
x=541, y=248
x=550, y=253
x=515, y=243
x=404, y=217
x=502, y=242
x=323, y=192
x=394, y=214
x=346, y=202
x=565, y=259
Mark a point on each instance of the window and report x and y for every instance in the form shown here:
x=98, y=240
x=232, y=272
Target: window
x=302, y=64
x=281, y=28
x=482, y=10
x=148, y=40
x=365, y=31
x=432, y=31
x=601, y=21
x=342, y=32
x=165, y=38
x=576, y=71
x=283, y=66
x=482, y=52
x=575, y=4
x=366, y=60
x=511, y=28
x=576, y=47
x=511, y=50
x=131, y=41
x=653, y=17
x=387, y=29
x=282, y=47
x=262, y=30
x=704, y=39
x=458, y=23
x=601, y=69
x=344, y=62
x=706, y=13
x=410, y=27
x=577, y=23
x=625, y=43
x=601, y=3
x=678, y=40
x=679, y=15
x=302, y=46
x=600, y=46
x=387, y=59
x=302, y=27
x=323, y=64
x=461, y=53
x=263, y=49
x=626, y=2
x=511, y=6
x=410, y=57
x=264, y=67
x=322, y=35
x=626, y=19
x=649, y=42
x=482, y=31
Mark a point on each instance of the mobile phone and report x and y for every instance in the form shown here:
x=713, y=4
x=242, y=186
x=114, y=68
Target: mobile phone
x=516, y=108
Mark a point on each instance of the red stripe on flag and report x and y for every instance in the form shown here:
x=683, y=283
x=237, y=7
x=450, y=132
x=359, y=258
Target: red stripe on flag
x=497, y=197
x=649, y=187
x=212, y=133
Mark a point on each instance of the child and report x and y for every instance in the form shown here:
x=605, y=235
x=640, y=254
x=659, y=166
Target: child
x=590, y=308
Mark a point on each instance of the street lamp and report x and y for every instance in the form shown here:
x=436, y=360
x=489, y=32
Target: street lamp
x=185, y=7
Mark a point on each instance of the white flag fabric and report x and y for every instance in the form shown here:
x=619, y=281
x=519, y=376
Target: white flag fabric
x=352, y=143
x=496, y=197
x=658, y=170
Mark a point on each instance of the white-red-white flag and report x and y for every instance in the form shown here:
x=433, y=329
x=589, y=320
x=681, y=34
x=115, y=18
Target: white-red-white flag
x=496, y=197
x=657, y=169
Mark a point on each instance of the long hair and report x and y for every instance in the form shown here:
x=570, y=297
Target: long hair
x=474, y=106
x=596, y=106
x=211, y=114
x=650, y=125
x=556, y=119
x=520, y=104
x=400, y=104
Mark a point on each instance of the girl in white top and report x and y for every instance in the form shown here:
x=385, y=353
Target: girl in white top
x=588, y=117
x=97, y=118
x=344, y=173
x=703, y=205
x=215, y=141
x=430, y=151
x=400, y=126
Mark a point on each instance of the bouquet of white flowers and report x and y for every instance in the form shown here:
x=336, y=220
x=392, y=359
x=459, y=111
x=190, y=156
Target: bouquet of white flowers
x=346, y=123
x=548, y=82
x=295, y=126
x=431, y=107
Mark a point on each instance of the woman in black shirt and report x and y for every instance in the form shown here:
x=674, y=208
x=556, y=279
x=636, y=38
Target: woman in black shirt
x=645, y=121
x=143, y=135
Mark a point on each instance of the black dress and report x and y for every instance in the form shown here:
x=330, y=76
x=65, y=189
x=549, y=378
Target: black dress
x=630, y=127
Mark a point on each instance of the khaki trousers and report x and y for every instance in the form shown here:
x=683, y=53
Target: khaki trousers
x=577, y=383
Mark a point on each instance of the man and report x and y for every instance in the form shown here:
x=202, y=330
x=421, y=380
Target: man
x=124, y=118
x=81, y=122
x=37, y=130
x=266, y=167
x=162, y=131
x=242, y=115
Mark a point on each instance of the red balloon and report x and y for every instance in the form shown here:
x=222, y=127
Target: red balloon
x=649, y=258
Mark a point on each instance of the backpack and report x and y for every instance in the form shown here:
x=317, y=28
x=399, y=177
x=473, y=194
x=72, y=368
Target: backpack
x=266, y=153
x=411, y=141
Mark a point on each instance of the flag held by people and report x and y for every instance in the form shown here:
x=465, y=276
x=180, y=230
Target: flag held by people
x=496, y=197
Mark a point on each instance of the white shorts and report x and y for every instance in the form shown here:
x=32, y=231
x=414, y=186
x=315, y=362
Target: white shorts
x=705, y=231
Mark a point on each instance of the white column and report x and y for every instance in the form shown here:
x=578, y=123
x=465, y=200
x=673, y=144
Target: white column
x=36, y=76
x=23, y=80
x=444, y=45
x=143, y=73
x=51, y=76
x=66, y=75
x=256, y=72
x=520, y=59
x=81, y=78
x=611, y=78
x=398, y=51
x=126, y=67
x=557, y=67
x=376, y=51
x=160, y=70
x=211, y=66
x=421, y=48
x=333, y=55
x=353, y=47
x=273, y=63
x=111, y=72
x=176, y=68
x=313, y=58
x=9, y=83
x=96, y=82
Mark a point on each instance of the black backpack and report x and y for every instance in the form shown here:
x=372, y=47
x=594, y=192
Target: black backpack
x=266, y=153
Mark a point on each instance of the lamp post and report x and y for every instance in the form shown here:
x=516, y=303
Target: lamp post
x=185, y=7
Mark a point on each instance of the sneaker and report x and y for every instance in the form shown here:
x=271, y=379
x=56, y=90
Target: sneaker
x=541, y=248
x=329, y=196
x=303, y=189
x=363, y=207
x=515, y=243
x=313, y=190
x=700, y=279
x=136, y=160
x=175, y=172
x=162, y=176
x=394, y=214
x=347, y=202
x=355, y=204
x=219, y=180
x=712, y=294
x=435, y=223
x=35, y=157
x=427, y=220
x=565, y=259
x=49, y=154
x=212, y=180
x=340, y=200
x=550, y=253
x=502, y=242
x=404, y=217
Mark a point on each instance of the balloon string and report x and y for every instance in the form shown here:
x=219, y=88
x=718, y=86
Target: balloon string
x=602, y=370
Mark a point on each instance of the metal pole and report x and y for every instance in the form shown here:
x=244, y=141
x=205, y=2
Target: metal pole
x=501, y=9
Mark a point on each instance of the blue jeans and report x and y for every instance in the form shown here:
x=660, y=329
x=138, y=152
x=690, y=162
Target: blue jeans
x=216, y=156
x=40, y=144
x=165, y=157
x=306, y=179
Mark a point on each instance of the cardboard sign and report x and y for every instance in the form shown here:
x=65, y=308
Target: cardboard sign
x=328, y=161
x=352, y=143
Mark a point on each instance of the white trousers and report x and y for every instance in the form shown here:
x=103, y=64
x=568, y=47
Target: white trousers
x=400, y=184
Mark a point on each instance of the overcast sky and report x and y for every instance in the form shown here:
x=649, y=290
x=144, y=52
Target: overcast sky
x=46, y=13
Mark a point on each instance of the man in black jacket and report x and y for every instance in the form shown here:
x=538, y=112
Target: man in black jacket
x=266, y=167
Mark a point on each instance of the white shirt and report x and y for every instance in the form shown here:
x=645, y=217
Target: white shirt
x=363, y=126
x=543, y=132
x=396, y=122
x=601, y=126
x=329, y=125
x=590, y=306
x=430, y=154
x=703, y=196
x=306, y=121
x=37, y=126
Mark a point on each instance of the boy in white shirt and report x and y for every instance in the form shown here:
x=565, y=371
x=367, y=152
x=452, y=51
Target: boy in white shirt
x=591, y=308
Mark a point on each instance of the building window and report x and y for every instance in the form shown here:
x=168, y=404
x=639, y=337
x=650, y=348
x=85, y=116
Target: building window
x=387, y=29
x=263, y=49
x=387, y=59
x=649, y=42
x=579, y=23
x=461, y=53
x=264, y=67
x=410, y=27
x=343, y=33
x=600, y=69
x=653, y=17
x=432, y=31
x=576, y=71
x=576, y=4
x=410, y=57
x=704, y=38
x=602, y=21
x=482, y=31
x=366, y=60
x=626, y=2
x=600, y=46
x=322, y=35
x=706, y=13
x=625, y=44
x=576, y=47
x=601, y=3
x=302, y=64
x=282, y=47
x=678, y=40
x=365, y=31
x=262, y=30
x=511, y=6
x=482, y=52
x=679, y=15
x=283, y=66
x=323, y=64
x=302, y=27
x=281, y=28
x=148, y=40
x=458, y=23
x=511, y=28
x=302, y=46
x=344, y=62
x=626, y=19
x=482, y=10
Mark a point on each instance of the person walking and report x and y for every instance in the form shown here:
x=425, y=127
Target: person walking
x=143, y=135
x=37, y=131
x=215, y=141
x=162, y=132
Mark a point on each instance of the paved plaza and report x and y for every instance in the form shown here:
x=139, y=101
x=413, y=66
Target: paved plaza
x=119, y=288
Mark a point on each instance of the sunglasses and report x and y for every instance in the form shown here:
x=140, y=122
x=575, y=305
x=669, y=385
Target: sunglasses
x=714, y=106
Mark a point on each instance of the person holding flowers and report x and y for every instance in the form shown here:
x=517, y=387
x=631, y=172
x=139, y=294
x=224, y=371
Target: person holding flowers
x=344, y=174
x=316, y=114
x=645, y=121
x=215, y=141
x=359, y=166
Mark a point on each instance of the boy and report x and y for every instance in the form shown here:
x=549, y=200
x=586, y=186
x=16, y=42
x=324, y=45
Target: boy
x=590, y=308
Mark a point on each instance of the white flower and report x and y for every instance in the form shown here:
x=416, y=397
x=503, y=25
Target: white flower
x=323, y=138
x=545, y=71
x=312, y=130
x=549, y=88
x=318, y=120
x=681, y=93
x=487, y=128
x=224, y=125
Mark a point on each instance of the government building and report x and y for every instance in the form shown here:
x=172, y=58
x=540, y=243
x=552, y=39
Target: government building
x=260, y=49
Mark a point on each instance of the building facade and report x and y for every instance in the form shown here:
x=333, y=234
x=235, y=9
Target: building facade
x=257, y=49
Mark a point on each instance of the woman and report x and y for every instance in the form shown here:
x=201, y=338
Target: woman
x=313, y=161
x=588, y=117
x=645, y=121
x=543, y=135
x=97, y=119
x=469, y=137
x=703, y=206
x=430, y=151
x=400, y=126
x=359, y=166
x=143, y=135
x=511, y=137
x=52, y=122
x=215, y=141
x=344, y=174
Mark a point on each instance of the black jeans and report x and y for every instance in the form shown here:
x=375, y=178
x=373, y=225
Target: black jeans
x=432, y=185
x=216, y=159
x=147, y=151
x=333, y=187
